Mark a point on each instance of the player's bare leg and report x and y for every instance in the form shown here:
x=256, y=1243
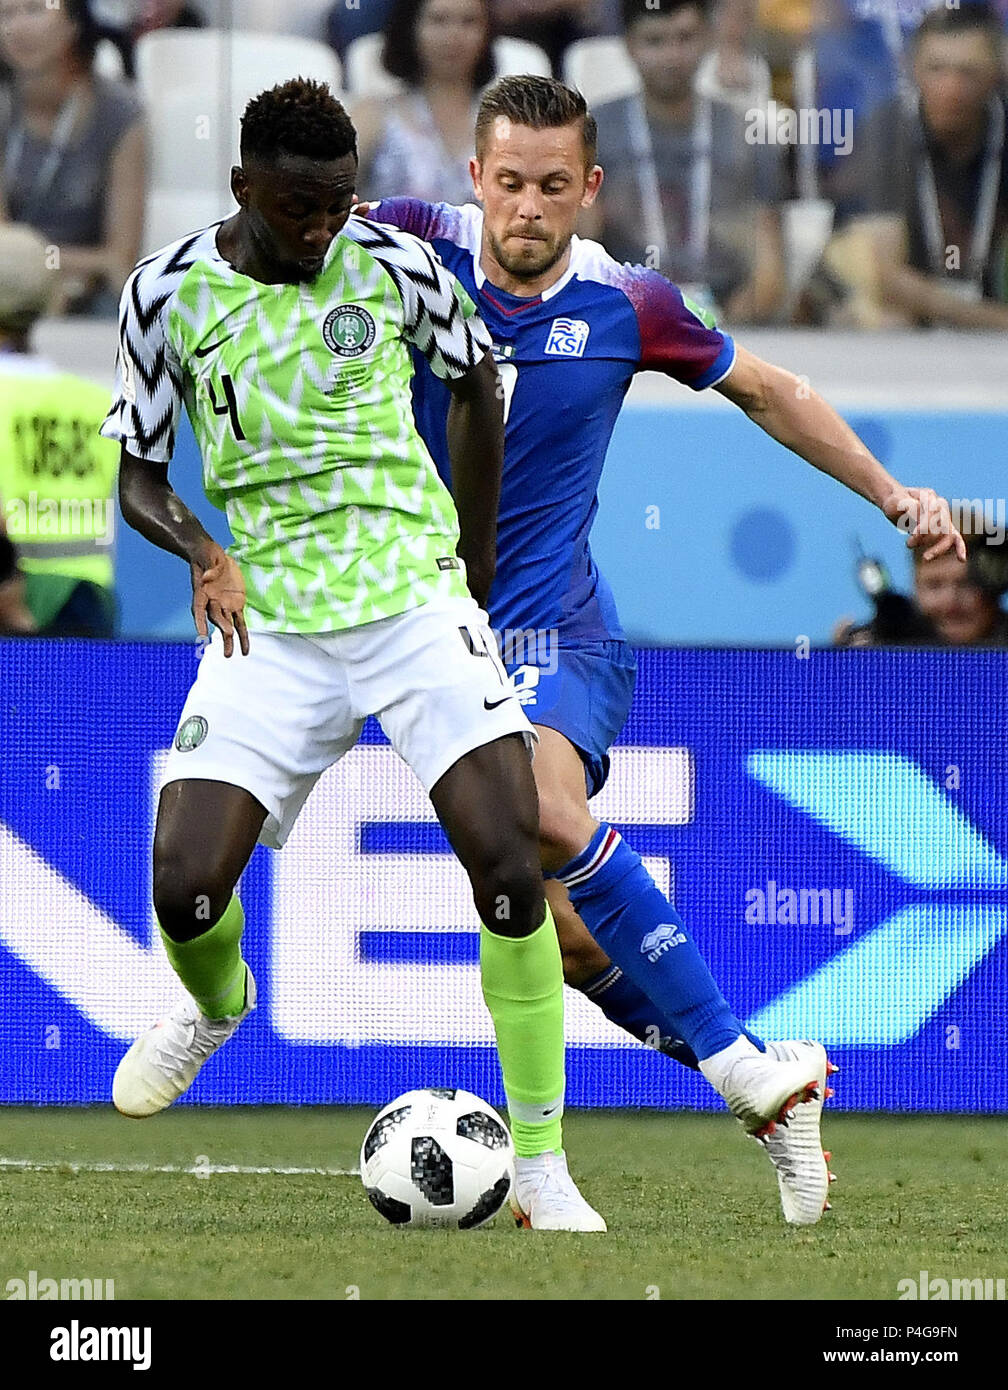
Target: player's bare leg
x=205, y=834
x=587, y=968
x=763, y=1089
x=583, y=958
x=486, y=803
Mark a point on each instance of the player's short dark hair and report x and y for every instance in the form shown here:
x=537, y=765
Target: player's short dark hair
x=541, y=103
x=961, y=19
x=401, y=57
x=299, y=117
x=641, y=9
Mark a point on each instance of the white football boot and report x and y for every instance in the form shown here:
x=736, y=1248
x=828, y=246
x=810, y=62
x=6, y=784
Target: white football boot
x=545, y=1198
x=163, y=1062
x=761, y=1090
x=797, y=1152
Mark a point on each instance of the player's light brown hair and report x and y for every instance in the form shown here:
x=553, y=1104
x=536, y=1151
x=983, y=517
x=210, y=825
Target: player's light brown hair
x=541, y=103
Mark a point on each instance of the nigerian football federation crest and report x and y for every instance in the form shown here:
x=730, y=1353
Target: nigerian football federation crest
x=348, y=330
x=191, y=733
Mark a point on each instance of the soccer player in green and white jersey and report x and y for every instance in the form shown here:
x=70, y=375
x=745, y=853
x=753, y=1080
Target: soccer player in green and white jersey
x=285, y=332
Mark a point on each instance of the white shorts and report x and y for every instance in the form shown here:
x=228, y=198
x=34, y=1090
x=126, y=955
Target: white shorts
x=273, y=721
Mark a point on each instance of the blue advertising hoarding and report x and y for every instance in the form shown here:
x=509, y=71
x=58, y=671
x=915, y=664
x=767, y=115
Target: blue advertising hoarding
x=830, y=824
x=708, y=530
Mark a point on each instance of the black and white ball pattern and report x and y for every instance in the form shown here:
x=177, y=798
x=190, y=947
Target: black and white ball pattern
x=437, y=1158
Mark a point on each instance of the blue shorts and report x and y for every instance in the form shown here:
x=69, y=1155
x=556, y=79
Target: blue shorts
x=584, y=692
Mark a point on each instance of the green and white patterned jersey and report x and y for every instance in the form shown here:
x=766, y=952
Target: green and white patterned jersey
x=299, y=398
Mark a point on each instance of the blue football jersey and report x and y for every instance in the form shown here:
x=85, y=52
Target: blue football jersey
x=566, y=359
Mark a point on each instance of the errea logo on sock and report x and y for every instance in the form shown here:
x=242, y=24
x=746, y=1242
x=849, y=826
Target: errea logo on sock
x=662, y=939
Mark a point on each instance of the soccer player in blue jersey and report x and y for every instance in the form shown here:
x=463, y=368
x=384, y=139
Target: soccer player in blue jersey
x=571, y=327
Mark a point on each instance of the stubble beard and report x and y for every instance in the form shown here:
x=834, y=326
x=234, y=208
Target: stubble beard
x=522, y=269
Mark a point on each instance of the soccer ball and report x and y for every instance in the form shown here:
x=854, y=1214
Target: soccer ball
x=437, y=1158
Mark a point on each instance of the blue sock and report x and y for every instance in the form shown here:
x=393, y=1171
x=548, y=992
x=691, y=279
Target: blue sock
x=640, y=931
x=630, y=1009
x=624, y=1004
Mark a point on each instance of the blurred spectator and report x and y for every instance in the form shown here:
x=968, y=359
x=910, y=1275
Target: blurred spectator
x=122, y=22
x=934, y=173
x=857, y=68
x=733, y=70
x=953, y=605
x=899, y=19
x=73, y=151
x=552, y=24
x=56, y=475
x=419, y=142
x=861, y=60
x=685, y=191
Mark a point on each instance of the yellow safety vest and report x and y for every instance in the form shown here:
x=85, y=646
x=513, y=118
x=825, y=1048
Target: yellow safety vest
x=57, y=476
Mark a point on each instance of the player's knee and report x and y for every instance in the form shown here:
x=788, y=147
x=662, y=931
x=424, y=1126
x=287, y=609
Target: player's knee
x=190, y=894
x=510, y=896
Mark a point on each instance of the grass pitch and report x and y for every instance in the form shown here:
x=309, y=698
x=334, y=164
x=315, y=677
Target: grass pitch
x=691, y=1204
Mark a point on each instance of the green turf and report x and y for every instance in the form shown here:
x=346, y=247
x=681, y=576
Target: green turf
x=691, y=1204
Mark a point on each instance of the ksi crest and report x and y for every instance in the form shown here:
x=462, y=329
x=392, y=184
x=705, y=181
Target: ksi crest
x=567, y=338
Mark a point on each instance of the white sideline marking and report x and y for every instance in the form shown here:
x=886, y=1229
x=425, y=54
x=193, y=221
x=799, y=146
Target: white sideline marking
x=32, y=1165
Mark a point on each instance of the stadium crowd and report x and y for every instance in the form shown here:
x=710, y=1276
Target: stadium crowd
x=837, y=163
x=812, y=161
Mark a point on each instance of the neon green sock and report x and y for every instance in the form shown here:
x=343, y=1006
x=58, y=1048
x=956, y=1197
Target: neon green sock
x=523, y=989
x=211, y=966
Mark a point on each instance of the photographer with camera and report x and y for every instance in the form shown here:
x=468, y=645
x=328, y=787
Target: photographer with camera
x=952, y=605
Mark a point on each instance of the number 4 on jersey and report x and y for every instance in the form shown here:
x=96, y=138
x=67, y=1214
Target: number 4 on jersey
x=229, y=406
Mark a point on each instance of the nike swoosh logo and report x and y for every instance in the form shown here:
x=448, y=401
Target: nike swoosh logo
x=492, y=704
x=205, y=351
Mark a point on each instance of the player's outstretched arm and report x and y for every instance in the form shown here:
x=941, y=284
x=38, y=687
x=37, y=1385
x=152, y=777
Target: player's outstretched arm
x=151, y=506
x=476, y=447
x=785, y=407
